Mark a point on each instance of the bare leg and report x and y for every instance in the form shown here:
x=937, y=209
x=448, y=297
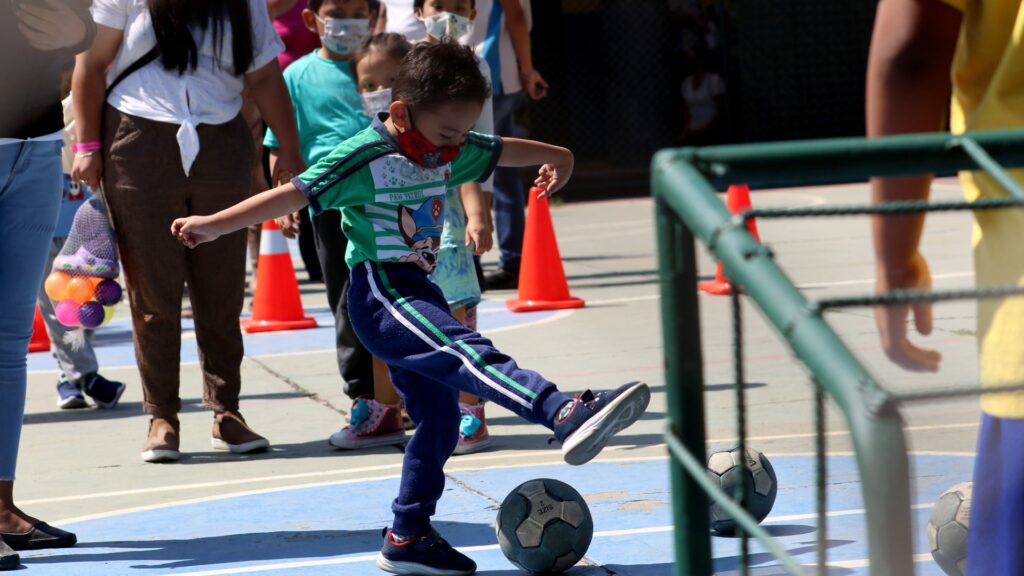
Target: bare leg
x=383, y=390
x=464, y=397
x=11, y=518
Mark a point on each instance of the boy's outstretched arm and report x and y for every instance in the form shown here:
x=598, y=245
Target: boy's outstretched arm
x=195, y=230
x=555, y=162
x=908, y=89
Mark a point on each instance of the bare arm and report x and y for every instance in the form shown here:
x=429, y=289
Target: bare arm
x=195, y=230
x=88, y=89
x=519, y=33
x=267, y=89
x=907, y=91
x=556, y=163
x=380, y=26
x=479, y=232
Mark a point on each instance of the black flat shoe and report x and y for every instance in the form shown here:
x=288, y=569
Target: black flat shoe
x=41, y=536
x=9, y=559
x=502, y=279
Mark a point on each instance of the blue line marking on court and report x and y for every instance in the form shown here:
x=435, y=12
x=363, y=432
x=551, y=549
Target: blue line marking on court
x=339, y=524
x=114, y=348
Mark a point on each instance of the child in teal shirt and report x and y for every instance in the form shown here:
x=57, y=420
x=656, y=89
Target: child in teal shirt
x=328, y=111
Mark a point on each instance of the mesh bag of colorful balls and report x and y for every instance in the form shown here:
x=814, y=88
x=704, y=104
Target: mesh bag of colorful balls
x=83, y=283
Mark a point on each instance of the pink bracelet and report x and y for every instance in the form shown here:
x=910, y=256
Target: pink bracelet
x=87, y=146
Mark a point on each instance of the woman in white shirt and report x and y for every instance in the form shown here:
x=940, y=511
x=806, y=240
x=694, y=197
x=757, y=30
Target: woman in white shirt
x=172, y=142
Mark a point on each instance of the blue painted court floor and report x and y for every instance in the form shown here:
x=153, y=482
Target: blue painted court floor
x=334, y=528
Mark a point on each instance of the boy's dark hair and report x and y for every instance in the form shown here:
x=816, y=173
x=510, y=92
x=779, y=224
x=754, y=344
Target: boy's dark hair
x=418, y=4
x=432, y=74
x=393, y=45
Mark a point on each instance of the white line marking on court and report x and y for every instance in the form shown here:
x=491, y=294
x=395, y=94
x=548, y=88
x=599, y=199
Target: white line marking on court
x=397, y=466
x=560, y=315
x=458, y=465
x=861, y=563
x=624, y=300
x=847, y=433
x=372, y=557
x=865, y=563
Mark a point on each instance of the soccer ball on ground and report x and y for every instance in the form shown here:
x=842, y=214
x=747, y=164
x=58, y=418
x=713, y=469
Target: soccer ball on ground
x=947, y=529
x=544, y=526
x=759, y=483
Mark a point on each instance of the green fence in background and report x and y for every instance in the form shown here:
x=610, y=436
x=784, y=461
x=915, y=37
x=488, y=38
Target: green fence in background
x=687, y=207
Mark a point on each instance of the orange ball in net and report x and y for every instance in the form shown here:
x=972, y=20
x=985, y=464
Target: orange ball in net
x=56, y=286
x=81, y=289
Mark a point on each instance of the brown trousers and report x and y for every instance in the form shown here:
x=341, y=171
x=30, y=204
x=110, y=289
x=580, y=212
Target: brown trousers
x=147, y=189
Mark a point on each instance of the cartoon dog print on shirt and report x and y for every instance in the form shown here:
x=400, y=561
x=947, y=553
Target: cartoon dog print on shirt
x=421, y=230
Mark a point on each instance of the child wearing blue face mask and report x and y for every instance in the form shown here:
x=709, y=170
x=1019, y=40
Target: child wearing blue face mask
x=328, y=111
x=468, y=226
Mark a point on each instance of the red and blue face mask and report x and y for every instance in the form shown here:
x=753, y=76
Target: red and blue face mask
x=416, y=146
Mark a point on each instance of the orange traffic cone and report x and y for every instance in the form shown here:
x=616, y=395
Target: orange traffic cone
x=40, y=341
x=277, y=303
x=542, y=284
x=737, y=199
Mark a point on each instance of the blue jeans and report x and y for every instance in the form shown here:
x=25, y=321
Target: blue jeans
x=509, y=195
x=30, y=191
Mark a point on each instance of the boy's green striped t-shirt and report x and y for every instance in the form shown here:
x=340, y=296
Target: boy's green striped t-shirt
x=392, y=208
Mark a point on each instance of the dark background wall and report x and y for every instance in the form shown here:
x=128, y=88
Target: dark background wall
x=793, y=70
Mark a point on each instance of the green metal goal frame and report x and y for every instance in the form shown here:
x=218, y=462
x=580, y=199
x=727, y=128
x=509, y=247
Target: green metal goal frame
x=684, y=184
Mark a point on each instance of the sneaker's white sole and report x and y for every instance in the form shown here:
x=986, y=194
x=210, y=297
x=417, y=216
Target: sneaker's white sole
x=72, y=403
x=155, y=456
x=587, y=442
x=244, y=448
x=372, y=442
x=415, y=568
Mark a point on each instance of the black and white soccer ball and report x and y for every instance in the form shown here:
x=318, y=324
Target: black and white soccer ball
x=544, y=526
x=947, y=529
x=758, y=480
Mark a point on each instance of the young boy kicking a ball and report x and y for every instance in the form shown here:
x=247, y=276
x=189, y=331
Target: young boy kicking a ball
x=390, y=182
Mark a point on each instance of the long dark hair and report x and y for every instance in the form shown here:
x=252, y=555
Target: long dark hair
x=178, y=50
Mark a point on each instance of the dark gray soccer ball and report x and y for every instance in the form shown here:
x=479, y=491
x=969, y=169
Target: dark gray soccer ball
x=544, y=526
x=947, y=529
x=759, y=483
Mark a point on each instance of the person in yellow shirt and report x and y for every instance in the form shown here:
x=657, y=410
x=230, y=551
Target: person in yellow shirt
x=915, y=46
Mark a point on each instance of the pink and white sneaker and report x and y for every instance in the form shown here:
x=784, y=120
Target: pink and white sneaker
x=371, y=424
x=473, y=436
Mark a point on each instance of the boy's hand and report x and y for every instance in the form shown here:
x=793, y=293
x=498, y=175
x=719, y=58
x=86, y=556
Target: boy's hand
x=194, y=230
x=892, y=320
x=289, y=224
x=479, y=235
x=552, y=177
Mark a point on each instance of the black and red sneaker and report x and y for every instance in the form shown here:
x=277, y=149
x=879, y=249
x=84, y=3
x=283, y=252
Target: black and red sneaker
x=585, y=424
x=426, y=554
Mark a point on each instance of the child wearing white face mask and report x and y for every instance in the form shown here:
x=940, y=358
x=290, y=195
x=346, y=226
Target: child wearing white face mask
x=328, y=111
x=468, y=215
